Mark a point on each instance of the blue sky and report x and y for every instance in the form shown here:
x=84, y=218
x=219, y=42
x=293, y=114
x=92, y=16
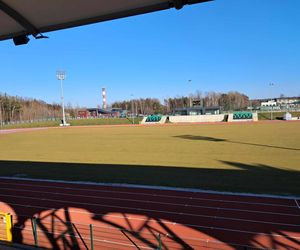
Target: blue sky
x=224, y=45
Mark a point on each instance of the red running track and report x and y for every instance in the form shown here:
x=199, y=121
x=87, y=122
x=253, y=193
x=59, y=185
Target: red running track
x=132, y=218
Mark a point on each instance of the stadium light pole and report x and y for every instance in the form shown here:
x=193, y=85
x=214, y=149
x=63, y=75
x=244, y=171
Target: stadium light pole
x=271, y=85
x=190, y=98
x=1, y=115
x=132, y=108
x=61, y=75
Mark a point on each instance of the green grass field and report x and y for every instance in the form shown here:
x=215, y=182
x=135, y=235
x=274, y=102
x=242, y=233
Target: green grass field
x=254, y=157
x=77, y=122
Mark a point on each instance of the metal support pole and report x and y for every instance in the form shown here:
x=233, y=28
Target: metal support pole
x=132, y=109
x=62, y=102
x=159, y=242
x=61, y=75
x=34, y=231
x=91, y=237
x=271, y=85
x=1, y=119
x=271, y=113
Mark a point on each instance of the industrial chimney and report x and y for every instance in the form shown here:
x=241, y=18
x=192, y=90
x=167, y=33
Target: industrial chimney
x=104, y=106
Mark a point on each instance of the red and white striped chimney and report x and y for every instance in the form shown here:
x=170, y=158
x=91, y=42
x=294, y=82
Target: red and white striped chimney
x=104, y=106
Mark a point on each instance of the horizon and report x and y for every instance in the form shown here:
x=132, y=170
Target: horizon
x=110, y=105
x=218, y=46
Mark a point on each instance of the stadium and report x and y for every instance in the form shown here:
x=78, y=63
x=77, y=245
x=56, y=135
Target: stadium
x=194, y=176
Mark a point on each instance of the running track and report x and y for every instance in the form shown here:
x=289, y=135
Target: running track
x=132, y=218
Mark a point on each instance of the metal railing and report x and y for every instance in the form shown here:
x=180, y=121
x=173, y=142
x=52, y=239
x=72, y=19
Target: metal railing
x=93, y=237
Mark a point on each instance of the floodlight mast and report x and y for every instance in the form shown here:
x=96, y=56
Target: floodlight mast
x=1, y=119
x=271, y=86
x=61, y=75
x=132, y=109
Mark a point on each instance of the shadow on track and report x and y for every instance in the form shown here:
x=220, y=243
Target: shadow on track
x=58, y=228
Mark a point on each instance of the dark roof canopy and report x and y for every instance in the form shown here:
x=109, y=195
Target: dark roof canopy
x=32, y=17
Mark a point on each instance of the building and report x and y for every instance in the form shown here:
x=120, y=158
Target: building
x=281, y=102
x=82, y=114
x=98, y=113
x=287, y=100
x=198, y=110
x=269, y=103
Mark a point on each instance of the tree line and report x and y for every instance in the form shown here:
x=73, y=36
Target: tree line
x=227, y=101
x=14, y=108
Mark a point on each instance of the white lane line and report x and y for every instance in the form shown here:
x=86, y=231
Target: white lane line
x=218, y=208
x=152, y=195
x=154, y=210
x=159, y=188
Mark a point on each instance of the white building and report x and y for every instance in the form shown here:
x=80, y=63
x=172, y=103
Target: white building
x=270, y=103
x=288, y=100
